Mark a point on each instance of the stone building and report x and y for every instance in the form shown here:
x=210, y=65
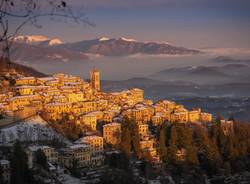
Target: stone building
x=206, y=117
x=26, y=81
x=88, y=120
x=112, y=133
x=50, y=153
x=194, y=115
x=96, y=142
x=25, y=90
x=157, y=119
x=79, y=153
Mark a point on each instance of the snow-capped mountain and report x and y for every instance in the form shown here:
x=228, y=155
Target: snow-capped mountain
x=37, y=40
x=55, y=41
x=122, y=38
x=51, y=42
x=104, y=39
x=39, y=47
x=128, y=39
x=30, y=39
x=125, y=46
x=44, y=52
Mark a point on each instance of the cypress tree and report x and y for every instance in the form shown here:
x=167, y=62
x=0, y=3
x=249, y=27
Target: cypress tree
x=126, y=139
x=19, y=166
x=172, y=148
x=162, y=142
x=41, y=159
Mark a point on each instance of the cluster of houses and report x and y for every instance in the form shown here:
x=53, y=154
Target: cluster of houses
x=85, y=152
x=65, y=96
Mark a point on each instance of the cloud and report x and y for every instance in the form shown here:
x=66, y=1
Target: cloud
x=227, y=51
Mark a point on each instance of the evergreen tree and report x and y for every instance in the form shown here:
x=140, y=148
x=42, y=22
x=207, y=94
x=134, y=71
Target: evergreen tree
x=117, y=176
x=209, y=157
x=231, y=152
x=172, y=148
x=19, y=167
x=135, y=137
x=126, y=139
x=1, y=175
x=227, y=168
x=41, y=159
x=74, y=169
x=191, y=155
x=162, y=142
x=231, y=118
x=218, y=118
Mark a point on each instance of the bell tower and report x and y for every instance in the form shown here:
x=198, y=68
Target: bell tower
x=95, y=79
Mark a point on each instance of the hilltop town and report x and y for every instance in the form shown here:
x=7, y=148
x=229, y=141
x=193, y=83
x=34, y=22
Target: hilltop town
x=102, y=120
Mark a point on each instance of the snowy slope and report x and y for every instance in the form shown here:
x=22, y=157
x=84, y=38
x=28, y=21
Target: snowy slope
x=37, y=40
x=128, y=39
x=30, y=39
x=32, y=130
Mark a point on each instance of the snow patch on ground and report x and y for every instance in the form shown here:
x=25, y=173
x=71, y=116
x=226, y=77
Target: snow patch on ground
x=67, y=179
x=55, y=41
x=128, y=39
x=32, y=130
x=104, y=39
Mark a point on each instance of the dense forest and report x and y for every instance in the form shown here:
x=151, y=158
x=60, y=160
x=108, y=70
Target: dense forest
x=188, y=151
x=208, y=150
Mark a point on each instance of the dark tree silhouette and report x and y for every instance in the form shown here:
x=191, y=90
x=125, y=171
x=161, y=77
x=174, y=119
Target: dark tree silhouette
x=74, y=168
x=41, y=159
x=19, y=165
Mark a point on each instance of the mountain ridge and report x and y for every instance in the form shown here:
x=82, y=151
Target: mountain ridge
x=205, y=74
x=53, y=49
x=126, y=46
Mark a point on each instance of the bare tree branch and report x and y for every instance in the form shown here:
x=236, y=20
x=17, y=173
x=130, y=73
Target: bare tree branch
x=28, y=12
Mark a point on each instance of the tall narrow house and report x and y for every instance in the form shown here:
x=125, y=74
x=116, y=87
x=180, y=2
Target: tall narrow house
x=95, y=79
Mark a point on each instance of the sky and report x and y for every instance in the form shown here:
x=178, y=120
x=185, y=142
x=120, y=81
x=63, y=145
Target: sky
x=189, y=23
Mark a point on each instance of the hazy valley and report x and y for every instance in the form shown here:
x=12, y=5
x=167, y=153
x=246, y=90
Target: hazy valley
x=200, y=75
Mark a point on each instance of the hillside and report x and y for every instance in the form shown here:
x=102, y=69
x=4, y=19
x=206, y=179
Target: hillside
x=157, y=89
x=226, y=59
x=32, y=130
x=6, y=67
x=205, y=74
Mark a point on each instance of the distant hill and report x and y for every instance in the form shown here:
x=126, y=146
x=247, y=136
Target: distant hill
x=205, y=74
x=7, y=66
x=226, y=59
x=156, y=89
